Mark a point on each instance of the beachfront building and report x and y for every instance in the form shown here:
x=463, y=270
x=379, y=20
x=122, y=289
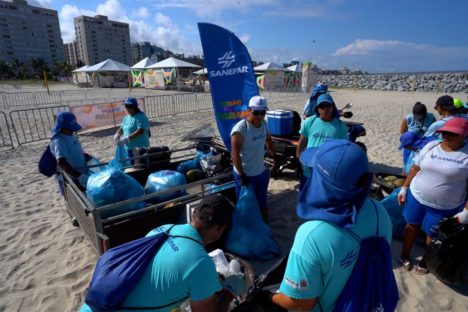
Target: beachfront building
x=28, y=32
x=99, y=38
x=71, y=53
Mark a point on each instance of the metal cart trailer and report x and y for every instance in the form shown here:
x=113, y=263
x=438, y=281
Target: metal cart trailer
x=108, y=232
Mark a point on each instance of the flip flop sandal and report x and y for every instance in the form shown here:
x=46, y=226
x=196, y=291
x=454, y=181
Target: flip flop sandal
x=420, y=270
x=406, y=264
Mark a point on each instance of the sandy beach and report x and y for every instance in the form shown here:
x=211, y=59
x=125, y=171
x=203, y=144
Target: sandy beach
x=46, y=263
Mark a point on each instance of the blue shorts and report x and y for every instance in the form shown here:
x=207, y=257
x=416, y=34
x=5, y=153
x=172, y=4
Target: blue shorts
x=259, y=184
x=427, y=217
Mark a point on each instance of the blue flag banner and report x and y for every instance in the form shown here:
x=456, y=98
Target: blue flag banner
x=231, y=76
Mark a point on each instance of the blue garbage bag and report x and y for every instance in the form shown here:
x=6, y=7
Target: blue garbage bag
x=112, y=185
x=194, y=163
x=249, y=236
x=395, y=211
x=164, y=180
x=410, y=162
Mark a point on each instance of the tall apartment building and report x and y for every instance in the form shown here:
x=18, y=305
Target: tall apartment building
x=28, y=32
x=98, y=39
x=71, y=53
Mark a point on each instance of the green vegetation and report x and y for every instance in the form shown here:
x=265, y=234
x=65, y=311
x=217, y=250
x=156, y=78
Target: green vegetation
x=34, y=69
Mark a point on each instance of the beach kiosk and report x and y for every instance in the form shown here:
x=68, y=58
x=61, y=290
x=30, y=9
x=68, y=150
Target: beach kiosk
x=177, y=73
x=271, y=76
x=109, y=74
x=138, y=72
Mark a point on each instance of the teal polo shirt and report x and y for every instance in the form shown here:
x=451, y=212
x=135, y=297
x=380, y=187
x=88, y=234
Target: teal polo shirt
x=323, y=256
x=182, y=268
x=131, y=124
x=317, y=131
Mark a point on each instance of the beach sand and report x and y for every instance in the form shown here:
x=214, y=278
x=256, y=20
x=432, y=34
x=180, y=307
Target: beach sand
x=46, y=263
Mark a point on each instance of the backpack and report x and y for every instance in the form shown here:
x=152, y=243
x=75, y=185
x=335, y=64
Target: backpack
x=47, y=164
x=372, y=286
x=120, y=268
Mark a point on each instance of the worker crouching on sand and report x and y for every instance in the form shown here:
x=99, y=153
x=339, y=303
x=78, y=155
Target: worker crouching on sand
x=182, y=269
x=134, y=131
x=335, y=200
x=67, y=150
x=248, y=139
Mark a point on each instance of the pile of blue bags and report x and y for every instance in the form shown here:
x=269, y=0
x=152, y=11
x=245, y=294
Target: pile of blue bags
x=112, y=185
x=164, y=180
x=194, y=163
x=250, y=237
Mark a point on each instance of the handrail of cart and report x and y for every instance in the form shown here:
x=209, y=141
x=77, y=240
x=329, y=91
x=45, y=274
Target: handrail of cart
x=162, y=193
x=181, y=199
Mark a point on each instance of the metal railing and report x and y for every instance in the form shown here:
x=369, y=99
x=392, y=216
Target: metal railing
x=17, y=100
x=32, y=125
x=165, y=105
x=5, y=133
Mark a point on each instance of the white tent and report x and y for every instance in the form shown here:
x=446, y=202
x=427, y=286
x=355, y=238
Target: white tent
x=109, y=66
x=81, y=69
x=172, y=62
x=144, y=63
x=269, y=67
x=203, y=71
x=295, y=68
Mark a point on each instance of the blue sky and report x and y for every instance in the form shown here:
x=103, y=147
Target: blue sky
x=370, y=35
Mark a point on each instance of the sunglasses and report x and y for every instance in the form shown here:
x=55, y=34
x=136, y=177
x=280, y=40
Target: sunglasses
x=323, y=106
x=259, y=113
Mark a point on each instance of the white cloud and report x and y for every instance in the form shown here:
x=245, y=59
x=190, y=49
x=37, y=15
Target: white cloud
x=114, y=10
x=142, y=12
x=206, y=8
x=67, y=25
x=164, y=20
x=244, y=38
x=396, y=55
x=165, y=34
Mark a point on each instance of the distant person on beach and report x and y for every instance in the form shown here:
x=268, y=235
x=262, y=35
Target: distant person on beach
x=310, y=105
x=134, y=131
x=446, y=108
x=436, y=187
x=248, y=139
x=67, y=149
x=418, y=122
x=324, y=124
x=325, y=251
x=182, y=269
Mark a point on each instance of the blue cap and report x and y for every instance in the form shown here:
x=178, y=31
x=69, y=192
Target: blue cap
x=65, y=120
x=412, y=139
x=332, y=192
x=131, y=101
x=318, y=89
x=326, y=98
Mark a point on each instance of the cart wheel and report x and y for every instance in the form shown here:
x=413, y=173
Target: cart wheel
x=298, y=171
x=275, y=172
x=74, y=222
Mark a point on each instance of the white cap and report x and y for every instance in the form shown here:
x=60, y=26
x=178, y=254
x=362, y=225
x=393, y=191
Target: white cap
x=258, y=103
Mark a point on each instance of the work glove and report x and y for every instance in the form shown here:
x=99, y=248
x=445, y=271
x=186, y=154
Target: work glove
x=116, y=137
x=462, y=216
x=236, y=284
x=83, y=179
x=402, y=195
x=245, y=180
x=122, y=141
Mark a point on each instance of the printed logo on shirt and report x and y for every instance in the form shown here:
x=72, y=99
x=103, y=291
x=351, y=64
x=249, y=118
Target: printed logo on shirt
x=457, y=161
x=303, y=284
